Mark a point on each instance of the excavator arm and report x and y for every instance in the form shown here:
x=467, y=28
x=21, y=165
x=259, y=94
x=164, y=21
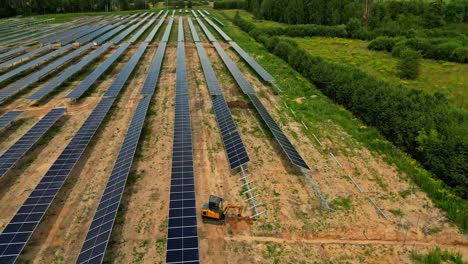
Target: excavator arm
x=230, y=206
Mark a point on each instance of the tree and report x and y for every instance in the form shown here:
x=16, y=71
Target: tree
x=409, y=64
x=189, y=4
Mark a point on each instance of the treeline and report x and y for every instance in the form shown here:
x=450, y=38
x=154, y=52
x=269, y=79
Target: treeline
x=395, y=14
x=426, y=126
x=10, y=8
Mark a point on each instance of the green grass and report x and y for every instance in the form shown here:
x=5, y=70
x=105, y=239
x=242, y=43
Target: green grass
x=444, y=77
x=324, y=118
x=438, y=256
x=249, y=17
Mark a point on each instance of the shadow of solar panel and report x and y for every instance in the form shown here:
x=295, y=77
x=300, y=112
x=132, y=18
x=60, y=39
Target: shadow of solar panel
x=84, y=85
x=257, y=68
x=284, y=142
x=18, y=231
x=210, y=76
x=152, y=78
x=41, y=93
x=17, y=150
x=95, y=243
x=8, y=117
x=193, y=30
x=119, y=82
x=234, y=70
x=19, y=58
x=37, y=75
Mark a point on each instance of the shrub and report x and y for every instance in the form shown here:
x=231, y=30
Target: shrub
x=460, y=54
x=409, y=65
x=382, y=43
x=396, y=51
x=229, y=5
x=443, y=51
x=422, y=45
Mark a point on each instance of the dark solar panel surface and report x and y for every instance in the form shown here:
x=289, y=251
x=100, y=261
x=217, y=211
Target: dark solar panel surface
x=64, y=34
x=67, y=74
x=284, y=142
x=17, y=150
x=210, y=76
x=8, y=117
x=18, y=231
x=96, y=240
x=19, y=58
x=84, y=85
x=153, y=32
x=89, y=37
x=195, y=36
x=33, y=63
x=259, y=69
x=219, y=30
x=167, y=33
x=155, y=69
x=234, y=70
x=119, y=82
x=180, y=35
x=207, y=32
x=80, y=34
x=182, y=235
x=23, y=83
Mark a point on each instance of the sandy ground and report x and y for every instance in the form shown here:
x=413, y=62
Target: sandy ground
x=294, y=227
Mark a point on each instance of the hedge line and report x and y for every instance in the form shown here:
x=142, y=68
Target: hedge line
x=429, y=128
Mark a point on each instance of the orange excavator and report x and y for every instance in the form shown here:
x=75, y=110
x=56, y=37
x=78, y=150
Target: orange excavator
x=214, y=212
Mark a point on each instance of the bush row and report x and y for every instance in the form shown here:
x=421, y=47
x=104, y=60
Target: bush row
x=426, y=126
x=230, y=4
x=438, y=48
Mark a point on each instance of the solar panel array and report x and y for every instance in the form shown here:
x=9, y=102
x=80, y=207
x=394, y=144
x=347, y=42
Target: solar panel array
x=182, y=235
x=144, y=28
x=23, y=83
x=284, y=142
x=12, y=52
x=219, y=22
x=79, y=34
x=153, y=32
x=206, y=12
x=84, y=85
x=195, y=36
x=96, y=240
x=167, y=33
x=208, y=34
x=46, y=89
x=210, y=76
x=64, y=34
x=119, y=82
x=234, y=70
x=34, y=63
x=259, y=69
x=38, y=34
x=17, y=150
x=129, y=30
x=8, y=117
x=18, y=231
x=194, y=14
x=29, y=54
x=220, y=31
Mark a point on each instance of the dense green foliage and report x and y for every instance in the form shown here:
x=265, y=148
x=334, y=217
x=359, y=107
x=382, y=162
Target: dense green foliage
x=409, y=64
x=426, y=126
x=438, y=256
x=230, y=4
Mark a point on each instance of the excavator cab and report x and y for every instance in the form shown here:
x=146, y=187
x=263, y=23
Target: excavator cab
x=215, y=210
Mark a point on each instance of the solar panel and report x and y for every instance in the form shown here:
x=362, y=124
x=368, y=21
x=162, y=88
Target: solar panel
x=34, y=63
x=18, y=231
x=29, y=54
x=180, y=35
x=119, y=82
x=207, y=32
x=143, y=29
x=219, y=22
x=219, y=30
x=64, y=34
x=257, y=68
x=206, y=12
x=80, y=34
x=67, y=74
x=38, y=34
x=94, y=34
x=167, y=33
x=153, y=75
x=127, y=32
x=234, y=70
x=9, y=36
x=95, y=243
x=153, y=32
x=193, y=30
x=23, y=83
x=17, y=150
x=284, y=142
x=182, y=235
x=201, y=14
x=210, y=75
x=194, y=14
x=8, y=117
x=84, y=85
x=12, y=52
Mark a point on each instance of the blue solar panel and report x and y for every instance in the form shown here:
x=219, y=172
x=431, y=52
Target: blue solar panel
x=12, y=52
x=80, y=34
x=180, y=35
x=23, y=83
x=119, y=82
x=8, y=117
x=153, y=32
x=153, y=75
x=193, y=30
x=182, y=235
x=96, y=240
x=18, y=231
x=220, y=31
x=167, y=33
x=284, y=142
x=64, y=34
x=210, y=75
x=234, y=70
x=46, y=89
x=92, y=78
x=259, y=69
x=207, y=32
x=29, y=54
x=17, y=150
x=94, y=34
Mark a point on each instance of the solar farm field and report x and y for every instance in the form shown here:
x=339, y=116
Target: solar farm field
x=115, y=130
